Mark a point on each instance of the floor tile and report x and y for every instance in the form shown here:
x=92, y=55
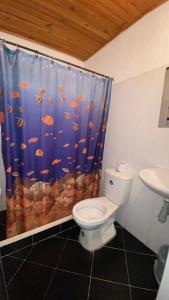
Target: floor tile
x=47, y=252
x=139, y=294
x=3, y=217
x=141, y=270
x=10, y=265
x=30, y=282
x=68, y=224
x=110, y=264
x=2, y=232
x=100, y=290
x=117, y=242
x=16, y=246
x=133, y=244
x=46, y=233
x=68, y=286
x=22, y=254
x=75, y=258
x=72, y=233
x=116, y=224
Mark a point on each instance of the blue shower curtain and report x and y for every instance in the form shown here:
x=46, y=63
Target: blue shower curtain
x=53, y=122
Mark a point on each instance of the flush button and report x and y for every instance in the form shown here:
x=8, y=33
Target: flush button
x=111, y=182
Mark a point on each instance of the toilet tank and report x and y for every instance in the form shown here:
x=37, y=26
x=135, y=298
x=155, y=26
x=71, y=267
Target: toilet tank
x=117, y=186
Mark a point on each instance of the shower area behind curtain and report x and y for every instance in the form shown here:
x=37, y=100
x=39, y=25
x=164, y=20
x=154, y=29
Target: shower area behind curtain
x=53, y=122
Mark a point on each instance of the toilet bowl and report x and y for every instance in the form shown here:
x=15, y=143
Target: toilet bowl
x=96, y=216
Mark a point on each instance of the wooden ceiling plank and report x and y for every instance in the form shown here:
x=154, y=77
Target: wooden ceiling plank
x=51, y=25
x=17, y=26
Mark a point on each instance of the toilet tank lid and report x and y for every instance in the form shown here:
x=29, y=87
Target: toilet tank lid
x=122, y=175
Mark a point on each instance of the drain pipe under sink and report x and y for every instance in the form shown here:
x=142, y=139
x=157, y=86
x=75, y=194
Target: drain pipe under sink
x=164, y=212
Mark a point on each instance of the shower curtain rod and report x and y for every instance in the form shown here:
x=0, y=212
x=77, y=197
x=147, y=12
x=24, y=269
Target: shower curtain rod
x=54, y=58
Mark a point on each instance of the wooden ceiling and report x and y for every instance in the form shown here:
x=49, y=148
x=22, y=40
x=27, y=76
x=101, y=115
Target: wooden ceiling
x=76, y=27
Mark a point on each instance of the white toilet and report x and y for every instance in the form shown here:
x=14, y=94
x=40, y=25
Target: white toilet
x=96, y=216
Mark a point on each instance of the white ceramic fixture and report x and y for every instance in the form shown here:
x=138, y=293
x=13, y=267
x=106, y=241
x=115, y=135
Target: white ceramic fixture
x=157, y=179
x=96, y=216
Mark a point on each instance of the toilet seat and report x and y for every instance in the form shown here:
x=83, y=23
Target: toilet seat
x=94, y=211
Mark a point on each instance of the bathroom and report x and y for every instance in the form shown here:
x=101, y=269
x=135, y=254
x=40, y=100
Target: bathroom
x=48, y=262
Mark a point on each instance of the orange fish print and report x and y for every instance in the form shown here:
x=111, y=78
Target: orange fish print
x=61, y=89
x=46, y=134
x=24, y=85
x=2, y=117
x=48, y=120
x=76, y=146
x=20, y=122
x=77, y=167
x=30, y=173
x=84, y=151
x=44, y=172
x=90, y=124
x=90, y=157
x=33, y=179
x=50, y=100
x=21, y=109
x=15, y=174
x=104, y=127
x=9, y=170
x=60, y=131
x=75, y=126
x=22, y=146
x=67, y=115
x=10, y=108
x=33, y=140
x=12, y=145
x=66, y=145
x=42, y=91
x=62, y=99
x=38, y=99
x=74, y=104
x=66, y=170
x=56, y=161
x=80, y=98
x=39, y=152
x=89, y=108
x=1, y=92
x=69, y=157
x=15, y=95
x=81, y=141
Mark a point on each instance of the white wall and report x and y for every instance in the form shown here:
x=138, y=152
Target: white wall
x=133, y=132
x=142, y=47
x=46, y=50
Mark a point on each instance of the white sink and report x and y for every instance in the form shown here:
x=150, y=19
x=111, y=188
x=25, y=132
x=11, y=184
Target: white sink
x=156, y=179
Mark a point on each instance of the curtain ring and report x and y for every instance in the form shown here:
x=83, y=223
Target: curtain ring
x=36, y=53
x=52, y=60
x=69, y=66
x=17, y=48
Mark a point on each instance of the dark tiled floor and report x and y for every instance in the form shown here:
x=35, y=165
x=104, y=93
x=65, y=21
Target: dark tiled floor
x=59, y=268
x=2, y=225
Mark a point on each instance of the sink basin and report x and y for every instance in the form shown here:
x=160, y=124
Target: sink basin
x=157, y=179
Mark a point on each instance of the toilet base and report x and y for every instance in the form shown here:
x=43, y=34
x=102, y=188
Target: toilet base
x=96, y=238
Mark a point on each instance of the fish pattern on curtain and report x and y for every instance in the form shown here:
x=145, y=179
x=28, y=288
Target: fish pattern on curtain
x=53, y=122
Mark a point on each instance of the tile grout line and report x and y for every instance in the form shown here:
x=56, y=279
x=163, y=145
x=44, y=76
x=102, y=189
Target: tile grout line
x=14, y=275
x=126, y=264
x=50, y=282
x=91, y=269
